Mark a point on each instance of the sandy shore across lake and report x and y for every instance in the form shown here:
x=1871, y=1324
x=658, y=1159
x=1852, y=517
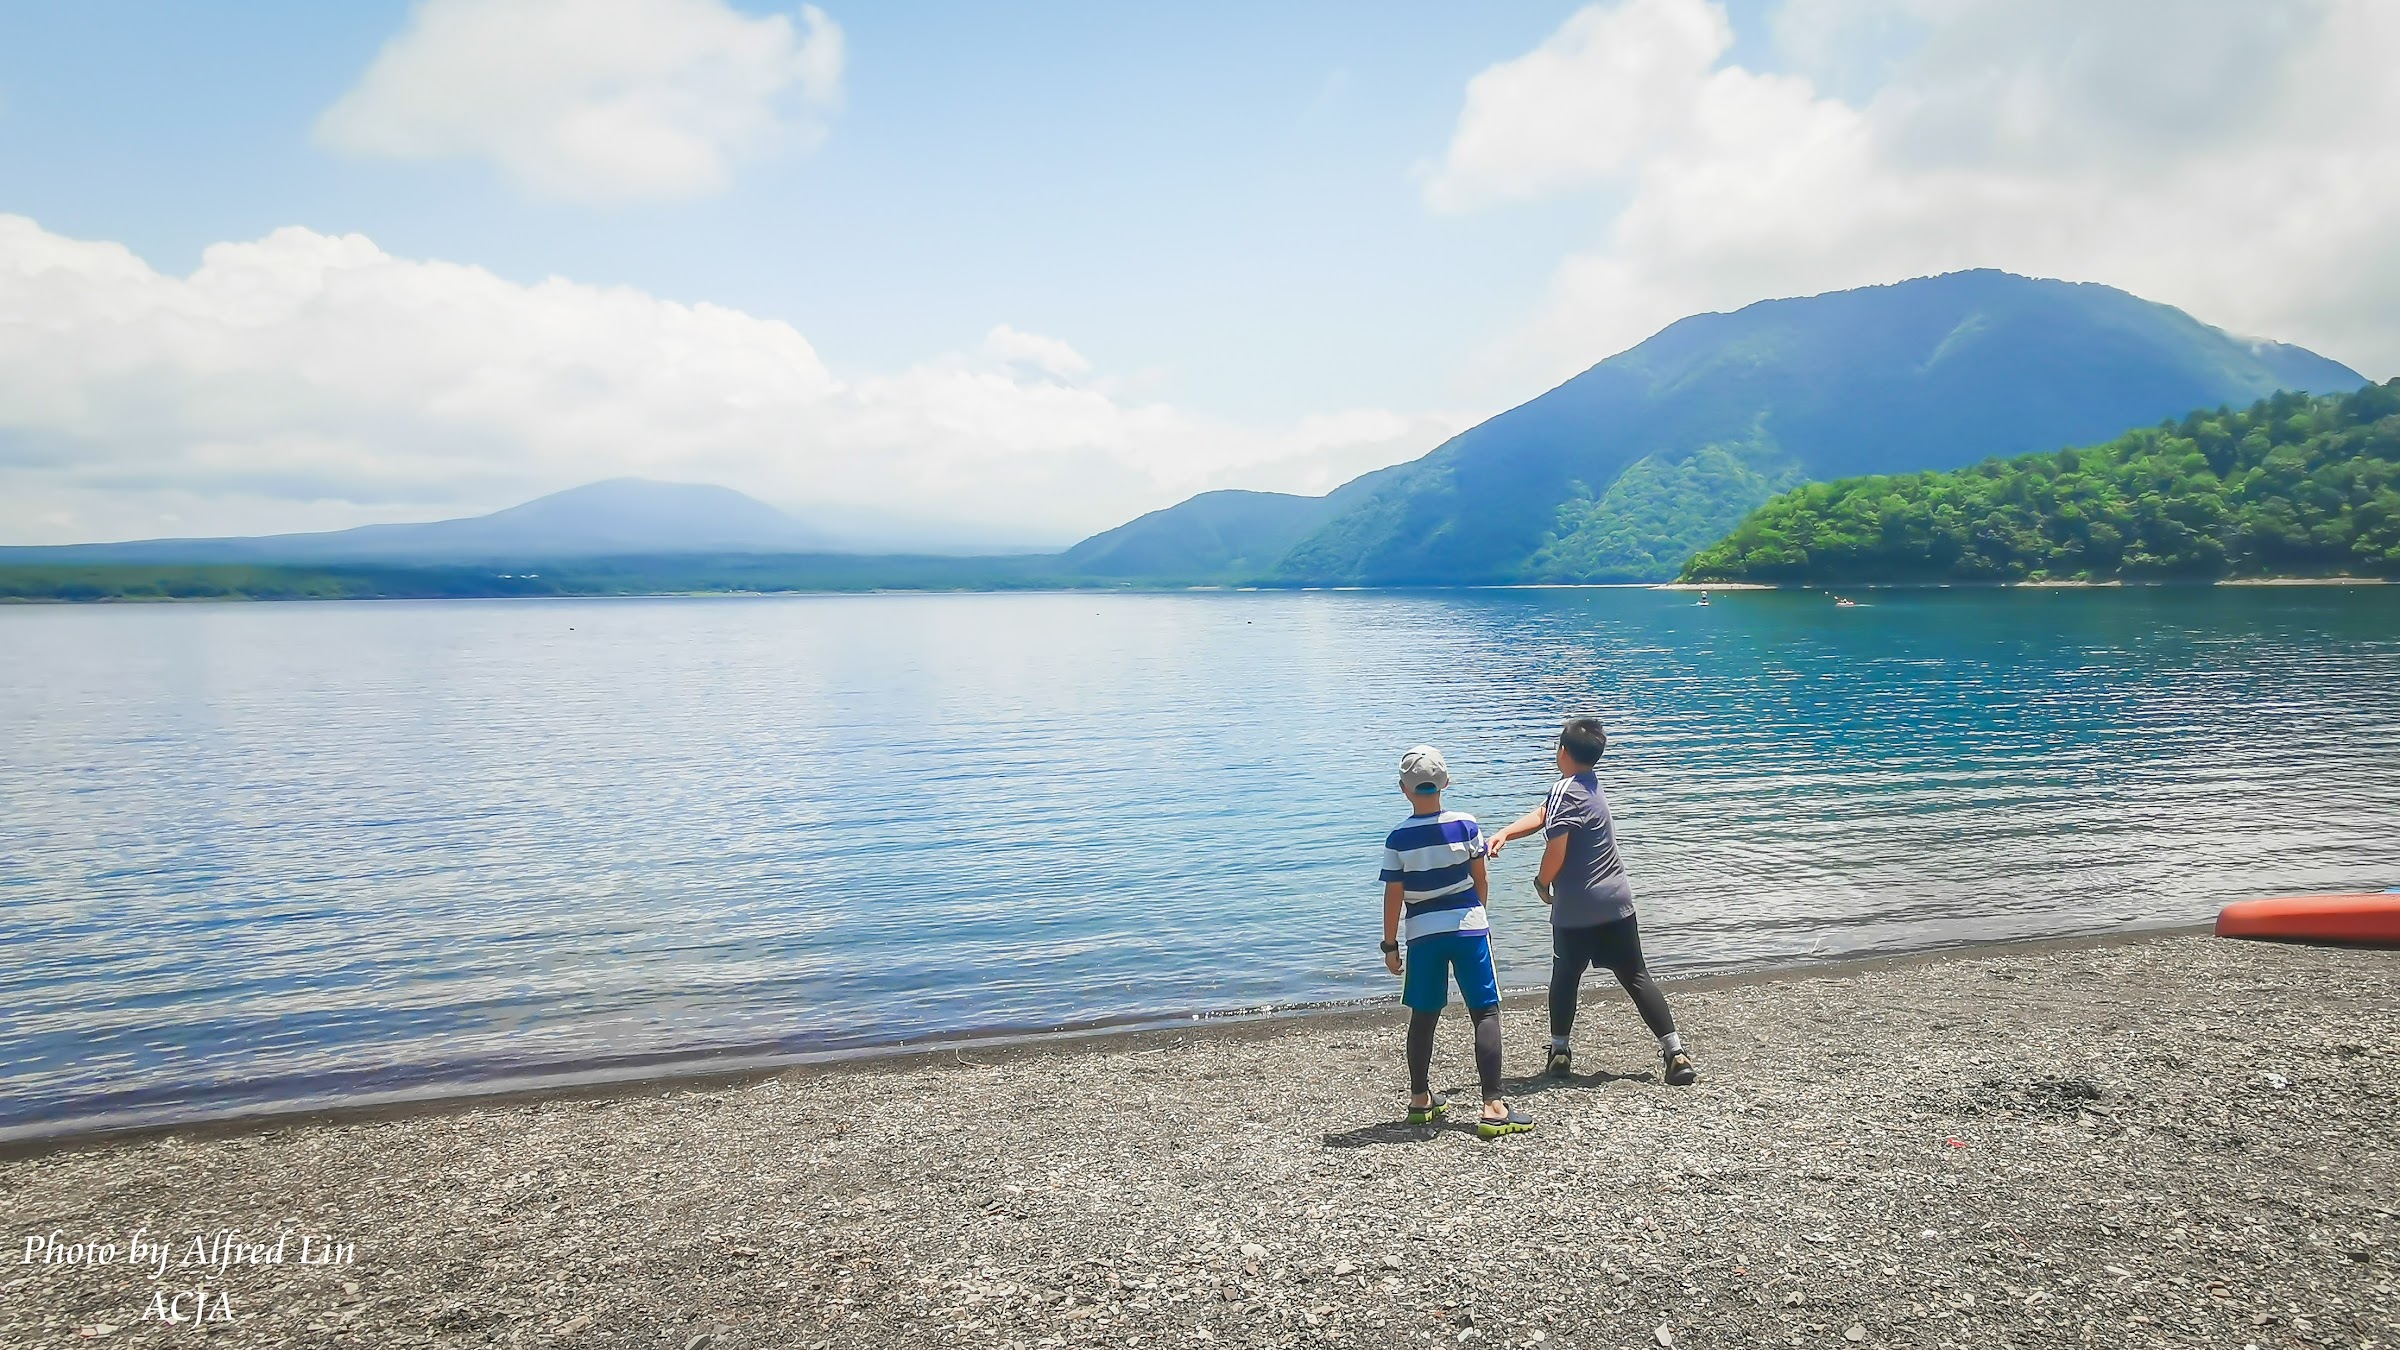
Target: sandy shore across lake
x=2169, y=1141
x=2306, y=581
x=2113, y=583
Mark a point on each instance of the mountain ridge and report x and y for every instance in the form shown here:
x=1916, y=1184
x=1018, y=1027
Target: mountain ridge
x=1229, y=530
x=610, y=516
x=1934, y=372
x=622, y=517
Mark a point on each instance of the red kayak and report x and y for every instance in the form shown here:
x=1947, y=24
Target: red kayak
x=2372, y=919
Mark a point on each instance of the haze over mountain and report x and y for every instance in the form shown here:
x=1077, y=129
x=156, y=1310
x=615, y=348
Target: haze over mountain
x=1620, y=474
x=618, y=517
x=1224, y=534
x=1626, y=470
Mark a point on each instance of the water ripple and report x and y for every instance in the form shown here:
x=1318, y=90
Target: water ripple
x=256, y=855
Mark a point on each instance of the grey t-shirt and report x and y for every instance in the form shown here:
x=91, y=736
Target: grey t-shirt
x=1592, y=887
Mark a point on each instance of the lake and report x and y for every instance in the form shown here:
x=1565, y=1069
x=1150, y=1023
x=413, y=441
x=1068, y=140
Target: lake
x=259, y=856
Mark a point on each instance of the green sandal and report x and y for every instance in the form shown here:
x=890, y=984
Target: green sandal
x=1427, y=1115
x=1515, y=1122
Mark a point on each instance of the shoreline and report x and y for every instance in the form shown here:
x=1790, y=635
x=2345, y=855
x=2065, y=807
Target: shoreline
x=2140, y=1139
x=704, y=1071
x=2066, y=584
x=1216, y=588
x=2306, y=581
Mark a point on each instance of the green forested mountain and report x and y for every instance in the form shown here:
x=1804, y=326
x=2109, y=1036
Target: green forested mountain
x=1623, y=471
x=1214, y=535
x=2291, y=486
x=1658, y=513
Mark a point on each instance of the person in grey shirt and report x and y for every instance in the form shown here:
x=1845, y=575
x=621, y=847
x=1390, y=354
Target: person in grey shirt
x=1583, y=881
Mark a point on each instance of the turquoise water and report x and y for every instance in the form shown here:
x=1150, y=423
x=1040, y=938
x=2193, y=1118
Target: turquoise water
x=258, y=855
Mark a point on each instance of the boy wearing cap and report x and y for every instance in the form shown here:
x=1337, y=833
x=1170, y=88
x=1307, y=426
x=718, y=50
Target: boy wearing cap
x=1591, y=901
x=1433, y=889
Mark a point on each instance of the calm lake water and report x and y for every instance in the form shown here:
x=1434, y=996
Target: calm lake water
x=257, y=855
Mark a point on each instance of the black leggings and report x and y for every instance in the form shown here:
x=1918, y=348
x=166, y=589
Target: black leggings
x=1487, y=1050
x=1618, y=948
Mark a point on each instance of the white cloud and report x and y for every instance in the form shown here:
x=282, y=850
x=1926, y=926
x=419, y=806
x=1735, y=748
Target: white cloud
x=2241, y=161
x=597, y=101
x=1612, y=83
x=311, y=381
x=1011, y=347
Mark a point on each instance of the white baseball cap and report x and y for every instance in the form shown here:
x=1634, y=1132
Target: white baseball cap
x=1424, y=767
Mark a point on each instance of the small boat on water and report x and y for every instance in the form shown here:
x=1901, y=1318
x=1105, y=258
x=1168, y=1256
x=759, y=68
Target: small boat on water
x=1842, y=602
x=2371, y=919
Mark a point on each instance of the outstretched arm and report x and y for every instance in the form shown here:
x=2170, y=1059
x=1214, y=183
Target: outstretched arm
x=1526, y=824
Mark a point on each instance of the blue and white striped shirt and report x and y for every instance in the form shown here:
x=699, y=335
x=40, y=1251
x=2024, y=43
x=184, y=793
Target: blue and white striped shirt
x=1430, y=857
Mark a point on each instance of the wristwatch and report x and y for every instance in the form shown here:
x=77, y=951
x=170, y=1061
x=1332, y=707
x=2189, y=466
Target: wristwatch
x=1389, y=947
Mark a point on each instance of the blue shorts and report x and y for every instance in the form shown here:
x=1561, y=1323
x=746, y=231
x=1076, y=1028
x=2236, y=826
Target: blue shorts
x=1425, y=982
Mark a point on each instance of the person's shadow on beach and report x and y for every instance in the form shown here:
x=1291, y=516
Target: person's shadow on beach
x=1401, y=1132
x=1535, y=1085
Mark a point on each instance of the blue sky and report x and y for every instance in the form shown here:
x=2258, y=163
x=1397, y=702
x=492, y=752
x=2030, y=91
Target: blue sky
x=1027, y=270
x=1221, y=196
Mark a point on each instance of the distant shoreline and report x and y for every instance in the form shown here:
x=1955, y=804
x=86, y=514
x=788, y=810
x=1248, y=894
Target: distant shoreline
x=2112, y=584
x=2308, y=581
x=1220, y=589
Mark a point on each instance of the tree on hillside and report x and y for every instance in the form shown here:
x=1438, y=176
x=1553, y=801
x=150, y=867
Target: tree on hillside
x=2292, y=485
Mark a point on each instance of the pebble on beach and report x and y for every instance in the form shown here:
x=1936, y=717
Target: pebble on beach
x=2170, y=1142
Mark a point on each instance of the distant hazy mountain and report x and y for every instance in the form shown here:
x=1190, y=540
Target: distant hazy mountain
x=1226, y=535
x=621, y=516
x=1211, y=535
x=1629, y=468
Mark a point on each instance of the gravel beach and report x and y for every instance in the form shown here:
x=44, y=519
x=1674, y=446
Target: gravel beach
x=2175, y=1141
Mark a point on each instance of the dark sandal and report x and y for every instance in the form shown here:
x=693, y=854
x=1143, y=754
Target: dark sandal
x=1515, y=1122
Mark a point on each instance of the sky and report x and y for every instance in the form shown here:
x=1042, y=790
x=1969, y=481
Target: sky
x=1018, y=273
